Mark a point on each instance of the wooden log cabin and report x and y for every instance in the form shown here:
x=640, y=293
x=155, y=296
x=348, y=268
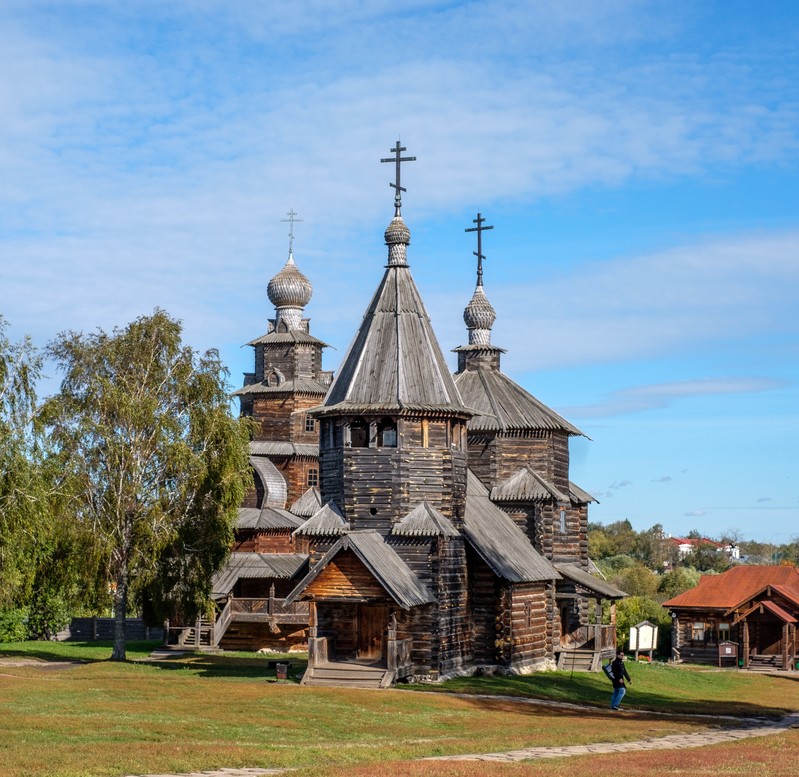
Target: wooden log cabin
x=451, y=538
x=756, y=608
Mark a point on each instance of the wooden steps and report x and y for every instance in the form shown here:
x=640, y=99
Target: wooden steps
x=763, y=663
x=345, y=675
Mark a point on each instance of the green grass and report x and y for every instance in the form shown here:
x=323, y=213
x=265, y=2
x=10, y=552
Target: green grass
x=197, y=712
x=657, y=686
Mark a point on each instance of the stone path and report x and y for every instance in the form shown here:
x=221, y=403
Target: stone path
x=739, y=728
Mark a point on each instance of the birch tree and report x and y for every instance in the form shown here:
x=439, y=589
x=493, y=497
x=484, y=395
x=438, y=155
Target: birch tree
x=156, y=462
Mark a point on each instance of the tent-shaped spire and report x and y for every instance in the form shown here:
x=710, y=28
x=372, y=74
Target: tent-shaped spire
x=395, y=362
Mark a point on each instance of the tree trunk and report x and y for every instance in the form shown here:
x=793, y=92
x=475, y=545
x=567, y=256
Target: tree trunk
x=120, y=611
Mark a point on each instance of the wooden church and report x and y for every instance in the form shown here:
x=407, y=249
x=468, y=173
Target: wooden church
x=406, y=522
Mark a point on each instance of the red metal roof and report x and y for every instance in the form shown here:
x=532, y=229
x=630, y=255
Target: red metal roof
x=737, y=585
x=779, y=612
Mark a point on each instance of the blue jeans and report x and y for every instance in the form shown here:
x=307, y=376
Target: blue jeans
x=618, y=695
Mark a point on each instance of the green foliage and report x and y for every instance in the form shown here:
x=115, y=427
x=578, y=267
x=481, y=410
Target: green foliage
x=154, y=462
x=677, y=581
x=613, y=566
x=13, y=625
x=634, y=610
x=637, y=580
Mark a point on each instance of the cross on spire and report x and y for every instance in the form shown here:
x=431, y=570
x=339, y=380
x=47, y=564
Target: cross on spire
x=479, y=252
x=292, y=219
x=397, y=158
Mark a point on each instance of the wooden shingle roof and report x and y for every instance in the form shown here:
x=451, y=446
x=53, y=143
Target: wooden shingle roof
x=395, y=362
x=266, y=518
x=274, y=484
x=393, y=574
x=248, y=566
x=283, y=448
x=308, y=504
x=590, y=583
x=424, y=521
x=327, y=521
x=504, y=405
x=499, y=541
x=526, y=485
x=307, y=386
x=287, y=338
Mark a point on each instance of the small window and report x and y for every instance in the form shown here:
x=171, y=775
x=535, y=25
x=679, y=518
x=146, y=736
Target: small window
x=310, y=423
x=359, y=434
x=313, y=478
x=563, y=522
x=387, y=434
x=697, y=632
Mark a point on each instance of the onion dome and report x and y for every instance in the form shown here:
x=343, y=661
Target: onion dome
x=289, y=291
x=479, y=317
x=397, y=237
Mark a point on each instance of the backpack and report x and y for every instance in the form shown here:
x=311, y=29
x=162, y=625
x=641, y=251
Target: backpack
x=608, y=670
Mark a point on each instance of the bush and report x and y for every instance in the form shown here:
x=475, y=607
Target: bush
x=634, y=610
x=13, y=625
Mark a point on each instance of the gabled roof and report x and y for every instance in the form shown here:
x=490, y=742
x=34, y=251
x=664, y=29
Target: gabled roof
x=782, y=614
x=275, y=489
x=395, y=362
x=587, y=581
x=266, y=518
x=424, y=521
x=527, y=486
x=504, y=405
x=327, y=521
x=388, y=569
x=308, y=504
x=248, y=566
x=296, y=386
x=736, y=586
x=499, y=541
x=280, y=448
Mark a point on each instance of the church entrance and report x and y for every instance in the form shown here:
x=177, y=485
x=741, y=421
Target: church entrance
x=372, y=621
x=769, y=638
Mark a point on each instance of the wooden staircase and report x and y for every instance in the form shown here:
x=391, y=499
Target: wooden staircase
x=579, y=660
x=763, y=663
x=347, y=675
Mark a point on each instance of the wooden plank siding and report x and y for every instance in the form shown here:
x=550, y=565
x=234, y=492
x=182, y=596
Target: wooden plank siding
x=346, y=577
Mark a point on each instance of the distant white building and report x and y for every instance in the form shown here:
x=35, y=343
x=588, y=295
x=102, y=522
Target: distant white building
x=687, y=545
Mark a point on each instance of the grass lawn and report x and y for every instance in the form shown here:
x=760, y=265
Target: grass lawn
x=208, y=711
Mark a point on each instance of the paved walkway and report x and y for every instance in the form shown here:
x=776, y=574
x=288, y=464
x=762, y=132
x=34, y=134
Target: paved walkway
x=738, y=729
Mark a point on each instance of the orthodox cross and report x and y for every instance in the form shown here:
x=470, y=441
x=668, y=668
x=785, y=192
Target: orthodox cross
x=397, y=158
x=292, y=219
x=479, y=252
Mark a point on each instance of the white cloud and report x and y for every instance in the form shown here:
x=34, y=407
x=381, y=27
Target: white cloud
x=695, y=513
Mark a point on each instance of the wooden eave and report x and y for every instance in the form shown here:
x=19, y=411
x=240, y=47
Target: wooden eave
x=387, y=568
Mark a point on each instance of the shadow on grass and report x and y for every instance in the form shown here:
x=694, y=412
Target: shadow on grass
x=594, y=690
x=85, y=652
x=233, y=667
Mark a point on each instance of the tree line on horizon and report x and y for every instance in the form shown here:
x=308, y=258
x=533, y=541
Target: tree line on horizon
x=120, y=492
x=647, y=566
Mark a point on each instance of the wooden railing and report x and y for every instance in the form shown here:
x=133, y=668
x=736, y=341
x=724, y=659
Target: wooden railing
x=221, y=623
x=270, y=607
x=594, y=636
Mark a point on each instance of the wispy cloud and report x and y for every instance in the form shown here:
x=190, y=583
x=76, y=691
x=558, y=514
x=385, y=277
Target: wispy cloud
x=620, y=484
x=642, y=398
x=663, y=479
x=695, y=513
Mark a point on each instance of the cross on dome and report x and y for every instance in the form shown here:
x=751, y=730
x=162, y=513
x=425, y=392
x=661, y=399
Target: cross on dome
x=479, y=252
x=398, y=159
x=292, y=219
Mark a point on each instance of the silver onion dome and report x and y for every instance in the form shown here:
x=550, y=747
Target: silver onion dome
x=479, y=317
x=289, y=288
x=397, y=237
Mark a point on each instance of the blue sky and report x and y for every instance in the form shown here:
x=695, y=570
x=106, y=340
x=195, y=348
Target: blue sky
x=639, y=162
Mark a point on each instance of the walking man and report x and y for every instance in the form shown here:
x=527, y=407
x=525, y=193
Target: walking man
x=619, y=675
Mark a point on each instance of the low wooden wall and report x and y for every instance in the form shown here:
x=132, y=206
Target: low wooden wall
x=90, y=629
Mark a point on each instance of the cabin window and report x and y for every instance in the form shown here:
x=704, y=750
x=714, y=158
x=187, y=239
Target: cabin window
x=563, y=522
x=697, y=632
x=313, y=478
x=387, y=434
x=359, y=433
x=310, y=423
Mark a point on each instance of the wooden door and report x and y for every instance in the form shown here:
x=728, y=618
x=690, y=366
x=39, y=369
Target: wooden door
x=372, y=624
